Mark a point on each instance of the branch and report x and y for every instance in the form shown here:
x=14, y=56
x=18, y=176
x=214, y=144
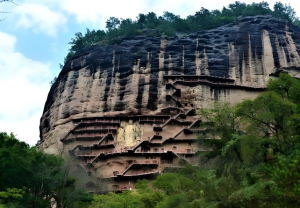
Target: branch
x=258, y=120
x=10, y=1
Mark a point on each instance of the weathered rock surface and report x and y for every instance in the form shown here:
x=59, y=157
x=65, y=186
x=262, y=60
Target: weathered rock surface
x=127, y=111
x=129, y=78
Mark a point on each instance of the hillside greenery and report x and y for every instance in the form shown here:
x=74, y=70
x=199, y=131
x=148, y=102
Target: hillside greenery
x=172, y=25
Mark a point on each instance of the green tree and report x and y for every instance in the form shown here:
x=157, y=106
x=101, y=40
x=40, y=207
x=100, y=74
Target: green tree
x=141, y=20
x=270, y=115
x=261, y=8
x=148, y=197
x=284, y=11
x=11, y=197
x=112, y=23
x=151, y=20
x=124, y=200
x=43, y=176
x=237, y=8
x=286, y=176
x=170, y=17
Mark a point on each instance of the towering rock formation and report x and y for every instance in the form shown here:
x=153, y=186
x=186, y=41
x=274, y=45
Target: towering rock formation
x=127, y=110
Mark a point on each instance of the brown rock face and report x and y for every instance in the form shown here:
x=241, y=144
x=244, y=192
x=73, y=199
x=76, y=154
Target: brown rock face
x=119, y=99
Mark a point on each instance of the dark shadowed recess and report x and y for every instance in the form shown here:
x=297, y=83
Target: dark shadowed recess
x=139, y=98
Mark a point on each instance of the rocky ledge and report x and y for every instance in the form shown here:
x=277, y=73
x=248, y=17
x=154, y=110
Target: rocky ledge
x=232, y=62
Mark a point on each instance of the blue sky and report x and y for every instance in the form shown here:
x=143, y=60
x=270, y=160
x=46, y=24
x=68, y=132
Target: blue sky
x=34, y=40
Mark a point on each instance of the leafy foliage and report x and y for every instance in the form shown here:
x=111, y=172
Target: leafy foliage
x=31, y=178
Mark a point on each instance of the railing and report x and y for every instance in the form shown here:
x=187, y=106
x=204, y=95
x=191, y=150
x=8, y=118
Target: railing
x=91, y=135
x=99, y=121
x=189, y=151
x=189, y=111
x=133, y=148
x=100, y=152
x=87, y=153
x=171, y=106
x=84, y=135
x=184, y=127
x=97, y=128
x=166, y=150
x=105, y=128
x=145, y=151
x=194, y=123
x=84, y=166
x=152, y=120
x=165, y=123
x=135, y=173
x=69, y=132
x=171, y=83
x=99, y=135
x=175, y=99
x=220, y=83
x=143, y=162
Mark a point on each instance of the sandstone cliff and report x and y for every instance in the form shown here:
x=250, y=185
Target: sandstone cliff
x=231, y=63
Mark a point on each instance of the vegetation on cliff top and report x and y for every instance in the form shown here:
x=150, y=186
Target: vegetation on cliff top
x=173, y=25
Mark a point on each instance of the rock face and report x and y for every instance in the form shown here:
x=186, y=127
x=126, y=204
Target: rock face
x=149, y=88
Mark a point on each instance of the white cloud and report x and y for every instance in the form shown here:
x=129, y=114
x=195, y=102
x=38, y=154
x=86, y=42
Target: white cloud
x=49, y=16
x=26, y=131
x=96, y=12
x=39, y=18
x=24, y=85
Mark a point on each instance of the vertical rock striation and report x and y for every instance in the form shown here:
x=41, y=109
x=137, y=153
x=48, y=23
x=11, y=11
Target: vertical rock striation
x=161, y=77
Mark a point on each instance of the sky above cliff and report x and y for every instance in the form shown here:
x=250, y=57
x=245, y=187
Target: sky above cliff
x=34, y=40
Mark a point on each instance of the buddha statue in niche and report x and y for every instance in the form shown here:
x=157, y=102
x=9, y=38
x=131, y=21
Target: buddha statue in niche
x=130, y=132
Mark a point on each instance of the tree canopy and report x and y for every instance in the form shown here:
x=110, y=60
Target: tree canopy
x=31, y=178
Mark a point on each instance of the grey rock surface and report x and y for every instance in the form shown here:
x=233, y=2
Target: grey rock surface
x=129, y=78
